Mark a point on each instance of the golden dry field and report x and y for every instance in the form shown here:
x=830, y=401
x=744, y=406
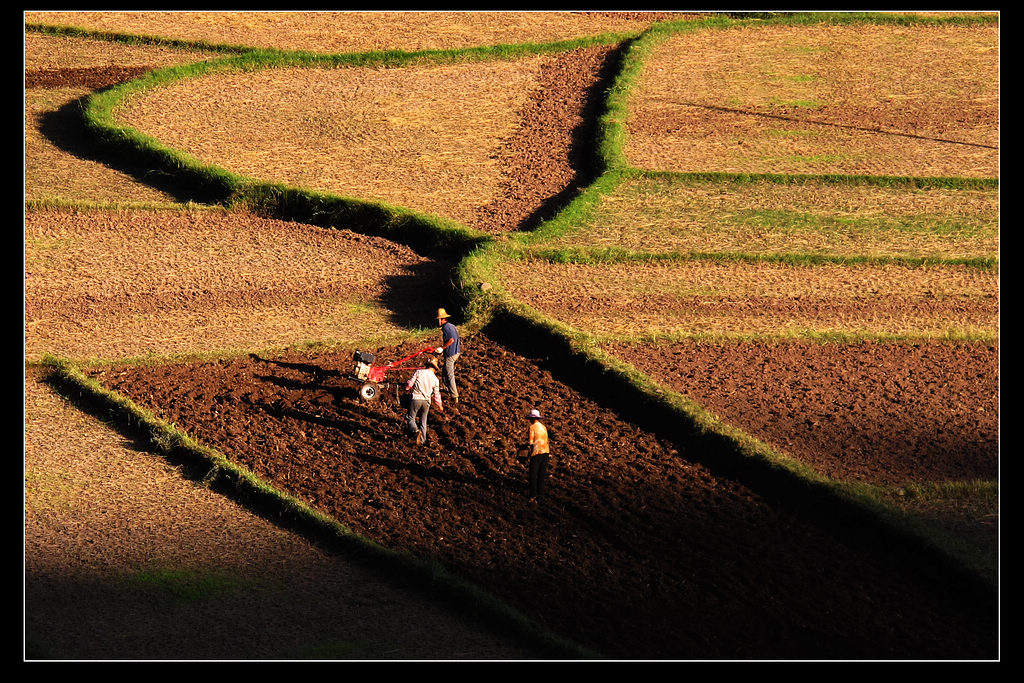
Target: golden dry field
x=864, y=99
x=711, y=297
x=356, y=31
x=425, y=138
x=238, y=328
x=97, y=280
x=665, y=216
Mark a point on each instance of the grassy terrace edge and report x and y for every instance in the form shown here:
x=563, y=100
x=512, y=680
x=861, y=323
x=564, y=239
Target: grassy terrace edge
x=217, y=473
x=493, y=310
x=741, y=453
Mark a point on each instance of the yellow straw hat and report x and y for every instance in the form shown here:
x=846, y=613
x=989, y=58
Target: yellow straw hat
x=441, y=313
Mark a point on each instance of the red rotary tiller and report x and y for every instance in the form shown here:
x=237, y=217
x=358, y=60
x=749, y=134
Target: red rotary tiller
x=375, y=377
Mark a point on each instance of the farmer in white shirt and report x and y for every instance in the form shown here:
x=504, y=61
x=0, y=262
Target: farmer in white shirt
x=425, y=388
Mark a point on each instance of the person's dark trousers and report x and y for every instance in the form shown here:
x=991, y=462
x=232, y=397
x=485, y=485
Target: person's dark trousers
x=538, y=474
x=449, y=375
x=418, y=412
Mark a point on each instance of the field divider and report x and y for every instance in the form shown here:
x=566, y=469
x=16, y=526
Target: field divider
x=132, y=38
x=212, y=469
x=124, y=146
x=574, y=357
x=902, y=182
x=619, y=255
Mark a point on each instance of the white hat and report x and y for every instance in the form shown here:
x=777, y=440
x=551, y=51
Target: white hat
x=534, y=414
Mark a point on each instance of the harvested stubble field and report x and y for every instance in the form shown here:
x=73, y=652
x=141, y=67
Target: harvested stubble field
x=580, y=563
x=708, y=297
x=95, y=280
x=864, y=99
x=485, y=144
x=333, y=32
x=665, y=215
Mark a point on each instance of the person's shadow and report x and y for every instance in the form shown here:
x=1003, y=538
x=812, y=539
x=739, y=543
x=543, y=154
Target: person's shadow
x=413, y=295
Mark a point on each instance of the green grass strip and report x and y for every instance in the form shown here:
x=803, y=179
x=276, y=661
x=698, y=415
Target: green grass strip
x=899, y=182
x=133, y=39
x=618, y=255
x=895, y=19
x=952, y=336
x=88, y=205
x=180, y=585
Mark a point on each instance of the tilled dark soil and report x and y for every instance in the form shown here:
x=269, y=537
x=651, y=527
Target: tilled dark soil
x=93, y=77
x=883, y=413
x=550, y=157
x=639, y=550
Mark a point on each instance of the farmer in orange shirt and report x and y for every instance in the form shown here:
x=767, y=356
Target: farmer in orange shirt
x=539, y=453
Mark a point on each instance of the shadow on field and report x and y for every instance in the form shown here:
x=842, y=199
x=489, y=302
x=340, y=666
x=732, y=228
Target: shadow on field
x=66, y=129
x=749, y=566
x=413, y=296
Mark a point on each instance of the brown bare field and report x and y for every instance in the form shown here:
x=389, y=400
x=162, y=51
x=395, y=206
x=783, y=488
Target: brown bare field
x=808, y=411
x=106, y=522
x=358, y=31
x=580, y=558
x=722, y=297
x=656, y=215
x=866, y=99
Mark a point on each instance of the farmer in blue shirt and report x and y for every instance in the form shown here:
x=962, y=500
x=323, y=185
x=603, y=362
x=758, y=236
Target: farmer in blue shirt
x=450, y=348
